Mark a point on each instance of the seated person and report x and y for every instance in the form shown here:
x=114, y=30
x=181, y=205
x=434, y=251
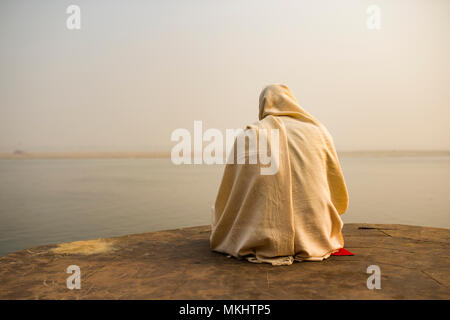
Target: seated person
x=294, y=212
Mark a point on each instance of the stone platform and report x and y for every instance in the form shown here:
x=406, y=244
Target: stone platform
x=178, y=264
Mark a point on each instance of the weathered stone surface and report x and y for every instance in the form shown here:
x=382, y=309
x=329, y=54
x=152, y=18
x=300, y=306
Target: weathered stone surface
x=178, y=264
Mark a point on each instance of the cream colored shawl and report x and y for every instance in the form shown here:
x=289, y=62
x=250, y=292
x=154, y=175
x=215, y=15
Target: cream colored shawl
x=293, y=214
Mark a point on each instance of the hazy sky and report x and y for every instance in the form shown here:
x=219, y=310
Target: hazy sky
x=137, y=70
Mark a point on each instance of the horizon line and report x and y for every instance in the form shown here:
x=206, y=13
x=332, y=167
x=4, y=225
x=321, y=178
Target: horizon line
x=20, y=154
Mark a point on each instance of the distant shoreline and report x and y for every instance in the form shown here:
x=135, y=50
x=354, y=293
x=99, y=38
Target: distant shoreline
x=84, y=155
x=395, y=153
x=166, y=154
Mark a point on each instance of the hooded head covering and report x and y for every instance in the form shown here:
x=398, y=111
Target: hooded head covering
x=278, y=100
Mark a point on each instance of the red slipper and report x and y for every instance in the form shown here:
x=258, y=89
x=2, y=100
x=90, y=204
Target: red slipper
x=342, y=252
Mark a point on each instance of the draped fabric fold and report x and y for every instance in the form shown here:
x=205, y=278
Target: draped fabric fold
x=293, y=214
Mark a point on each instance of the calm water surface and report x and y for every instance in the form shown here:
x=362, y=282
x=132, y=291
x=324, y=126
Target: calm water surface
x=50, y=201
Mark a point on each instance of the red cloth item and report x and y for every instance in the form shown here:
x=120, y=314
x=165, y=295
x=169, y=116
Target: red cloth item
x=342, y=252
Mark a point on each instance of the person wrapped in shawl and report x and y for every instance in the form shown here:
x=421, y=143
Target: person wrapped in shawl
x=292, y=213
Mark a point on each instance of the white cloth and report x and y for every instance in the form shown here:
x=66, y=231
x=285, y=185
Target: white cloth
x=293, y=214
